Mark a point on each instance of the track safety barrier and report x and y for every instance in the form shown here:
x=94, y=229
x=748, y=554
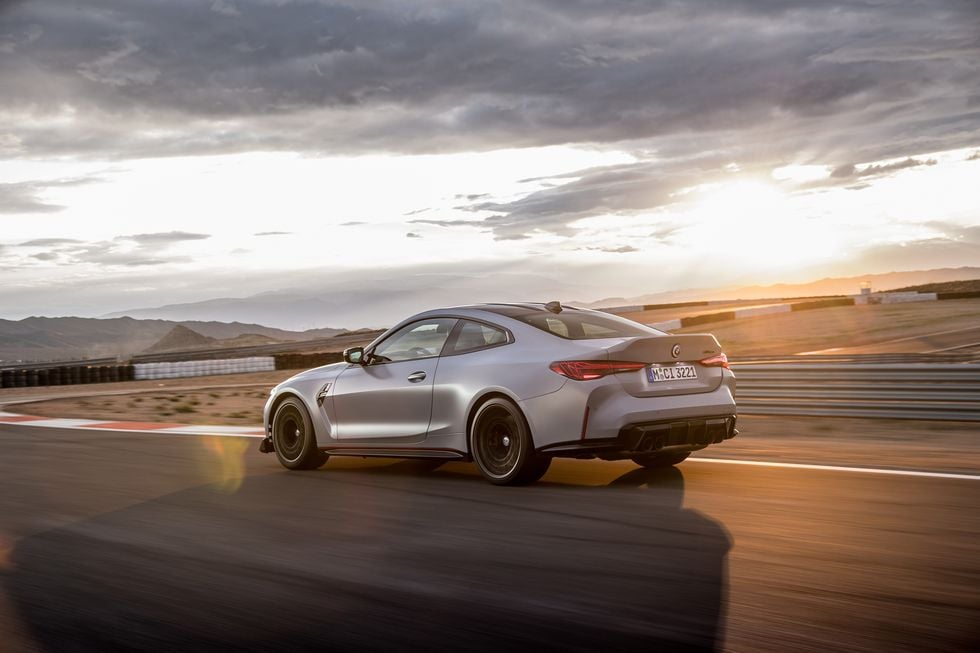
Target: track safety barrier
x=183, y=369
x=929, y=391
x=64, y=375
x=79, y=374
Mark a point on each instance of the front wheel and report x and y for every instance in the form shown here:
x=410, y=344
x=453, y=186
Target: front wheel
x=501, y=445
x=293, y=437
x=660, y=460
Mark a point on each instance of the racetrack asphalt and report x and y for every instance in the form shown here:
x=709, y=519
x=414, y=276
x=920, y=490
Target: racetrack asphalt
x=119, y=541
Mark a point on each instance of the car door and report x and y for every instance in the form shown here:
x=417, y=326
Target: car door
x=391, y=396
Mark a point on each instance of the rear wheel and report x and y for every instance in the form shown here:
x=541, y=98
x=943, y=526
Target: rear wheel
x=659, y=460
x=501, y=445
x=293, y=437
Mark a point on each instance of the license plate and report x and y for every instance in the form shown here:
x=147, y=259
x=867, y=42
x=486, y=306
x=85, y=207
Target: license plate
x=672, y=373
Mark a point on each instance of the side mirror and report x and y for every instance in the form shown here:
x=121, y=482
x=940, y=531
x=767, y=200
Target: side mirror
x=354, y=355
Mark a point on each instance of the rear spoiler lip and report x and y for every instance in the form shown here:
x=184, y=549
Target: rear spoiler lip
x=637, y=349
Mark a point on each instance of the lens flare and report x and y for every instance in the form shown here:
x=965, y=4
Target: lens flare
x=223, y=464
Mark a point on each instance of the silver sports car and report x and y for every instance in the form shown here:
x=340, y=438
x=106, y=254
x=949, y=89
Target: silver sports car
x=509, y=386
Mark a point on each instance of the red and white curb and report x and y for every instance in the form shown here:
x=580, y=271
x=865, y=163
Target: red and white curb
x=129, y=427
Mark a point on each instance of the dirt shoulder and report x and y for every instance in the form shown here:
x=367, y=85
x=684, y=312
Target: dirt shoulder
x=230, y=399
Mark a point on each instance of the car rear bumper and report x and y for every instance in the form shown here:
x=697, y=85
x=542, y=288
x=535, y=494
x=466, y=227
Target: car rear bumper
x=601, y=411
x=651, y=437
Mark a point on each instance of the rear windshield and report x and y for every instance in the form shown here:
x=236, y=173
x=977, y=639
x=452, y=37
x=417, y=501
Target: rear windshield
x=575, y=325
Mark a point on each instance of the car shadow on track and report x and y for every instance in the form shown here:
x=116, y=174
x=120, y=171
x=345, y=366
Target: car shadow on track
x=289, y=561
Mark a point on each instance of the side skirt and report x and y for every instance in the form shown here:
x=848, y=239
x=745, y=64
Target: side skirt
x=389, y=452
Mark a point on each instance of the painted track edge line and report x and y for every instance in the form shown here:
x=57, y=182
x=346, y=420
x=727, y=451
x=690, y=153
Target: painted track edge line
x=838, y=468
x=149, y=428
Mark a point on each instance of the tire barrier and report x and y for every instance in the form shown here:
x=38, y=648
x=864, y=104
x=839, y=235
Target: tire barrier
x=307, y=361
x=174, y=370
x=65, y=375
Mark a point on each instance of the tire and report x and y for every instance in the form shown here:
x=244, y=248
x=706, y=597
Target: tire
x=660, y=460
x=502, y=447
x=293, y=437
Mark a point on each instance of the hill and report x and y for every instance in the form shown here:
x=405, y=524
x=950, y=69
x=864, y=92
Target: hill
x=180, y=338
x=967, y=285
x=38, y=339
x=820, y=288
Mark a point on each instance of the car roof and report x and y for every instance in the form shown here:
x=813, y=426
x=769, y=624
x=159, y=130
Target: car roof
x=516, y=308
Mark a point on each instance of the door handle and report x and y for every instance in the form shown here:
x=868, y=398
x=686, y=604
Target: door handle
x=415, y=377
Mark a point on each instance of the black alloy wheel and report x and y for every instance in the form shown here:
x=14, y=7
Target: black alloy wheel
x=502, y=447
x=293, y=437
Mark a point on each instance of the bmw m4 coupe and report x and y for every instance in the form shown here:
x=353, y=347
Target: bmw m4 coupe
x=509, y=387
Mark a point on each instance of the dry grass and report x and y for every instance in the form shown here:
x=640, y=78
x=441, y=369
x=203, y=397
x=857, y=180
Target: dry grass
x=241, y=406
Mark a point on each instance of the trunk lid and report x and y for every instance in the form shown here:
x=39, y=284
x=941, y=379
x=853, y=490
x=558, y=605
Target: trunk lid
x=670, y=351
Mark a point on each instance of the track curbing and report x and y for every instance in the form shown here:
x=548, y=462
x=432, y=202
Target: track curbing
x=130, y=427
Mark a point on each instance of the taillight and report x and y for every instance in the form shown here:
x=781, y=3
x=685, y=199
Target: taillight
x=589, y=370
x=718, y=360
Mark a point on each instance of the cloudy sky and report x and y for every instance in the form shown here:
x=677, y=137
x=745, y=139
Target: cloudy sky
x=158, y=152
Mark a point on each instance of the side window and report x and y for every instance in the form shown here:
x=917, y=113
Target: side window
x=417, y=340
x=557, y=327
x=590, y=330
x=474, y=335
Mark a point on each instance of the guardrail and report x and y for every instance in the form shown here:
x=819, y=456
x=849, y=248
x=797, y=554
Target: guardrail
x=933, y=391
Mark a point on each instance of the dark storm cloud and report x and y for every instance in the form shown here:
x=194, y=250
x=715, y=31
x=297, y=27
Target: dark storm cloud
x=762, y=83
x=176, y=76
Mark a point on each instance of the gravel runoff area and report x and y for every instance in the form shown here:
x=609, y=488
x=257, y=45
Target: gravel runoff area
x=237, y=400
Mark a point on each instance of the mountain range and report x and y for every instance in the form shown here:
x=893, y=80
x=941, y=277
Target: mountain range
x=381, y=302
x=819, y=288
x=141, y=330
x=39, y=339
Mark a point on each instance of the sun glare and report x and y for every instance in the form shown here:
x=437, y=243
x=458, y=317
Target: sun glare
x=757, y=223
